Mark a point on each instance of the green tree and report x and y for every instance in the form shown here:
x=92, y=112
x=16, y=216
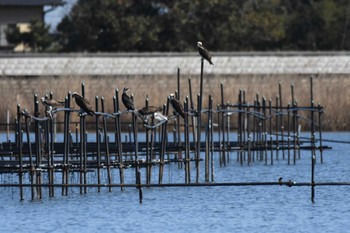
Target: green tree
x=222, y=25
x=39, y=38
x=109, y=25
x=13, y=35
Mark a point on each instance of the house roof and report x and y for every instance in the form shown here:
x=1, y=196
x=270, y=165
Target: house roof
x=30, y=2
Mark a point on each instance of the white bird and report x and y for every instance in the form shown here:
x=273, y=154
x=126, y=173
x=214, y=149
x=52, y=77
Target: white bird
x=160, y=117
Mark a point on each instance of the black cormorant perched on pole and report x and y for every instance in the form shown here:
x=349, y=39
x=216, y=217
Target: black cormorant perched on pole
x=204, y=52
x=83, y=103
x=177, y=106
x=127, y=100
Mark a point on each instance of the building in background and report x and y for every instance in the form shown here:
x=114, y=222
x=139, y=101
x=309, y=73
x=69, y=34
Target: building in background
x=20, y=13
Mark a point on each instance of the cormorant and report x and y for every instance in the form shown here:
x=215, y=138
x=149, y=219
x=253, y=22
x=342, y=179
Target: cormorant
x=204, y=52
x=280, y=180
x=51, y=103
x=127, y=100
x=149, y=110
x=83, y=103
x=177, y=106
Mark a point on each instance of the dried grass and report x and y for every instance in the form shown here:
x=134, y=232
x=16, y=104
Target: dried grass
x=330, y=90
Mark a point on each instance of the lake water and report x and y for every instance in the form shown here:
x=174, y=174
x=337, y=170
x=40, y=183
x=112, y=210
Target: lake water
x=198, y=209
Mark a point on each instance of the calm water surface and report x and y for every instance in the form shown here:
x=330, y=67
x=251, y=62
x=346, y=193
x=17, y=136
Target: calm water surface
x=198, y=209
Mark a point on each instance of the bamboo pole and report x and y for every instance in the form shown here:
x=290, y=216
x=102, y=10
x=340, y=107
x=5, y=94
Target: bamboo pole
x=320, y=111
x=187, y=144
x=240, y=126
x=134, y=127
x=223, y=147
x=198, y=146
x=270, y=131
x=281, y=118
x=249, y=160
x=38, y=144
x=313, y=150
x=81, y=153
x=264, y=129
x=207, y=148
x=20, y=155
x=118, y=135
x=277, y=127
x=67, y=142
x=98, y=144
x=31, y=171
x=219, y=112
x=191, y=106
x=179, y=143
x=211, y=139
x=288, y=134
x=163, y=144
x=105, y=134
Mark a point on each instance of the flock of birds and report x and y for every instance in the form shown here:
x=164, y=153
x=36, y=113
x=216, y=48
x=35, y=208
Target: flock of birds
x=144, y=112
x=128, y=100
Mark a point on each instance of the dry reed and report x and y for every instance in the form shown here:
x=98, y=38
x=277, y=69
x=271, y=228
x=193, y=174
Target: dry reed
x=330, y=90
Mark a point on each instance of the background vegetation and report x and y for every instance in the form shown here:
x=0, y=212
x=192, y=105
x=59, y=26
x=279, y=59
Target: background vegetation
x=223, y=25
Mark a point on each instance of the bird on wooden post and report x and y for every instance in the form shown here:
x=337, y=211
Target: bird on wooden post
x=160, y=117
x=204, y=52
x=83, y=104
x=148, y=111
x=127, y=100
x=177, y=106
x=51, y=103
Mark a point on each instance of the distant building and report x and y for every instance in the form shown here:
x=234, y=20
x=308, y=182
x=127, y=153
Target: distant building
x=20, y=13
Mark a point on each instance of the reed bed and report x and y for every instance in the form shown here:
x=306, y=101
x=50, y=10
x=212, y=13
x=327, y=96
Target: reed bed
x=330, y=90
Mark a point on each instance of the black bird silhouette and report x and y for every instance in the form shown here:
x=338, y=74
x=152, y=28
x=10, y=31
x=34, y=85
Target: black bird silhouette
x=280, y=180
x=127, y=100
x=204, y=52
x=177, y=106
x=83, y=103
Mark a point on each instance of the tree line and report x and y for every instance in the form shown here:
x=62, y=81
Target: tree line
x=222, y=25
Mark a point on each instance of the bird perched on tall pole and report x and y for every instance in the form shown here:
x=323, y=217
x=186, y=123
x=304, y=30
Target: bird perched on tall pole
x=127, y=100
x=50, y=104
x=177, y=106
x=83, y=103
x=204, y=52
